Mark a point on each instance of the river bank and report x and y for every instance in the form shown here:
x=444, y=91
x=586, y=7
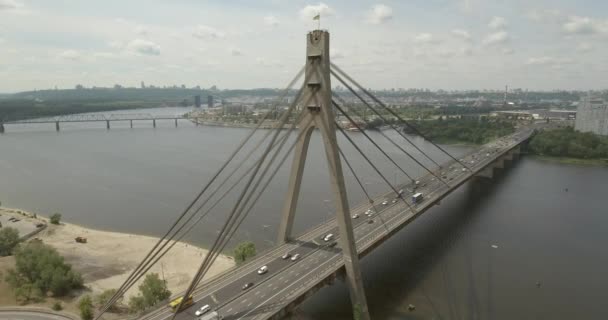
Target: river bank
x=108, y=258
x=573, y=161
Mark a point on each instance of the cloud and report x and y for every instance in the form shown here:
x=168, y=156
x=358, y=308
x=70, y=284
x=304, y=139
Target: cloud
x=508, y=51
x=584, y=25
x=10, y=4
x=308, y=12
x=462, y=34
x=495, y=38
x=271, y=21
x=380, y=14
x=70, y=55
x=549, y=61
x=425, y=38
x=235, y=52
x=498, y=23
x=144, y=47
x=207, y=32
x=584, y=47
x=545, y=15
x=335, y=54
x=141, y=30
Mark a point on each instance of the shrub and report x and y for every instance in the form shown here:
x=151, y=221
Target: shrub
x=85, y=305
x=55, y=218
x=244, y=251
x=9, y=238
x=57, y=306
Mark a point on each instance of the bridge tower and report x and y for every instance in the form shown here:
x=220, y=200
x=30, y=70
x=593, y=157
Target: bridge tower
x=318, y=113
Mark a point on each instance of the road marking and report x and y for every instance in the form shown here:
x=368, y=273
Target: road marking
x=249, y=305
x=244, y=300
x=257, y=292
x=228, y=311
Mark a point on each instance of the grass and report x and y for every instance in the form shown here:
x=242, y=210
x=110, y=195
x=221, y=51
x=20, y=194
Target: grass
x=573, y=161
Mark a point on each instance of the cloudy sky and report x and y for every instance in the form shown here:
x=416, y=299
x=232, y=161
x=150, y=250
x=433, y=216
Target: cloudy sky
x=448, y=44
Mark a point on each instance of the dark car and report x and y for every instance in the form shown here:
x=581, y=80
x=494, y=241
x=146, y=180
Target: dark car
x=247, y=285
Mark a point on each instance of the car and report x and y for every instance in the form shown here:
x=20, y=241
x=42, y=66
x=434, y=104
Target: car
x=328, y=237
x=394, y=201
x=295, y=257
x=355, y=216
x=247, y=285
x=401, y=192
x=369, y=212
x=263, y=270
x=464, y=169
x=286, y=256
x=370, y=221
x=487, y=154
x=472, y=161
x=202, y=310
x=385, y=202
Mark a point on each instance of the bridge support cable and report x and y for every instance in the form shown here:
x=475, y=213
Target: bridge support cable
x=140, y=267
x=395, y=143
x=373, y=166
x=374, y=110
x=213, y=252
x=259, y=194
x=371, y=140
x=361, y=88
x=369, y=199
x=191, y=226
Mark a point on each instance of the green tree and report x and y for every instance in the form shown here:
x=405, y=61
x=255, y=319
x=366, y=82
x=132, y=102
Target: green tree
x=154, y=290
x=40, y=269
x=57, y=306
x=55, y=218
x=244, y=251
x=9, y=238
x=85, y=305
x=104, y=297
x=137, y=304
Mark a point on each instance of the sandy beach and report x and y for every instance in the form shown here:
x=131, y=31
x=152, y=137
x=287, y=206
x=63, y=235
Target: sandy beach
x=107, y=258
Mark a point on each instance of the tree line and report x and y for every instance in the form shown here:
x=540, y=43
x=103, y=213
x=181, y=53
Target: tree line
x=567, y=142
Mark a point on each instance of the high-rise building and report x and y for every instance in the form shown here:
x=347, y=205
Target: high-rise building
x=592, y=116
x=197, y=101
x=143, y=85
x=209, y=101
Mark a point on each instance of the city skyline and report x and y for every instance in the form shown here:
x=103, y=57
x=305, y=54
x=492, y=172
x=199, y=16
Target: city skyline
x=450, y=45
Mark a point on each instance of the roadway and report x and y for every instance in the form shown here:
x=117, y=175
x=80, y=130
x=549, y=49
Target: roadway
x=287, y=280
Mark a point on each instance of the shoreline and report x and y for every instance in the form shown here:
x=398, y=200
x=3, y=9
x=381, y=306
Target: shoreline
x=108, y=257
x=572, y=161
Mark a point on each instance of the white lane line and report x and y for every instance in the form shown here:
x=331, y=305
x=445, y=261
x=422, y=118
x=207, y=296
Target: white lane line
x=279, y=292
x=249, y=305
x=244, y=300
x=228, y=311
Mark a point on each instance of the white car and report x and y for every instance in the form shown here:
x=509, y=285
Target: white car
x=328, y=237
x=394, y=201
x=355, y=216
x=295, y=257
x=369, y=212
x=263, y=270
x=385, y=202
x=202, y=310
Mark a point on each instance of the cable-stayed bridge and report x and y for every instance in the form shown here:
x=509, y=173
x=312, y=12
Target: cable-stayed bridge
x=275, y=282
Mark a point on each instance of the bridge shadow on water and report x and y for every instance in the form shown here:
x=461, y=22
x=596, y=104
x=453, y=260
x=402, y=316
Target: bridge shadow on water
x=400, y=267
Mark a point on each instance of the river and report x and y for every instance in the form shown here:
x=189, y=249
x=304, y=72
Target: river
x=528, y=245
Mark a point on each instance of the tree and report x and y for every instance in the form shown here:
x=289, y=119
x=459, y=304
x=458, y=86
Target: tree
x=85, y=305
x=40, y=270
x=55, y=218
x=137, y=304
x=244, y=251
x=154, y=290
x=57, y=306
x=9, y=238
x=104, y=297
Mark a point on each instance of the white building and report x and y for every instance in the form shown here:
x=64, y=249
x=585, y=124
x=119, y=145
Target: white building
x=592, y=116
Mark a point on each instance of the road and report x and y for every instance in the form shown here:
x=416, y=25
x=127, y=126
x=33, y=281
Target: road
x=31, y=315
x=286, y=280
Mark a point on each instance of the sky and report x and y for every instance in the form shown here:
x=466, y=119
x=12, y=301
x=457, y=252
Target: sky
x=434, y=44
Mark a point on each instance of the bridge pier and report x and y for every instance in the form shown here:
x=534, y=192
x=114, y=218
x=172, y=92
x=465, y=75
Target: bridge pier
x=318, y=113
x=108, y=124
x=57, y=126
x=176, y=122
x=1, y=127
x=131, y=121
x=153, y=123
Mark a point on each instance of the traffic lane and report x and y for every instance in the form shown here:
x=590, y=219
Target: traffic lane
x=378, y=230
x=450, y=173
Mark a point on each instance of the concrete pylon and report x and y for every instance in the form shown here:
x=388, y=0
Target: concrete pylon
x=319, y=108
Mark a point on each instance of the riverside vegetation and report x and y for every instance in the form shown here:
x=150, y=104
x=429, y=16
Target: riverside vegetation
x=570, y=145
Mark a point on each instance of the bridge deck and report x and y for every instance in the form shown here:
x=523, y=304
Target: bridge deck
x=288, y=283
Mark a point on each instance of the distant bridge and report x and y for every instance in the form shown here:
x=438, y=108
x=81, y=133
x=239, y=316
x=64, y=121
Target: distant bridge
x=87, y=117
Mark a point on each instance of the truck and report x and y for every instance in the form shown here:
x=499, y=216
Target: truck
x=174, y=304
x=417, y=197
x=211, y=316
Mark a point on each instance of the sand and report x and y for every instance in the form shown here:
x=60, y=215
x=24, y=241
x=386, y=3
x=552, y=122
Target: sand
x=107, y=258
